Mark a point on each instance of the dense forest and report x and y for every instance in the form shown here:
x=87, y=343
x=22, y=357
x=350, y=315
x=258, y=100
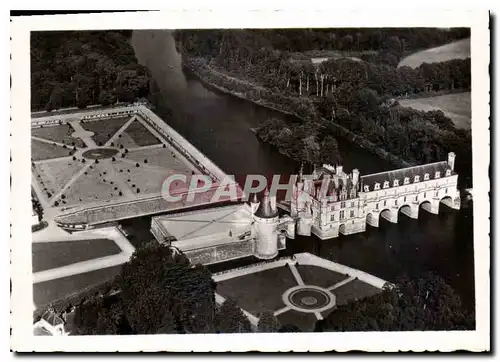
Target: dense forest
x=80, y=68
x=356, y=88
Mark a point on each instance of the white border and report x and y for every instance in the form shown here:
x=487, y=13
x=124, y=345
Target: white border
x=21, y=320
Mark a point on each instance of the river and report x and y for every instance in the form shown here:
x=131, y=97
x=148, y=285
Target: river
x=219, y=125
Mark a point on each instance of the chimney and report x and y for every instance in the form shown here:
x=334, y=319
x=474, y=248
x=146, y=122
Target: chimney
x=339, y=170
x=451, y=160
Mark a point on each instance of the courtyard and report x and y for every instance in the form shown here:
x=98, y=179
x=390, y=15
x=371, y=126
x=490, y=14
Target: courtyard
x=299, y=290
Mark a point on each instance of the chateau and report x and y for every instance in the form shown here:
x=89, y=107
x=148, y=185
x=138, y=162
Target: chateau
x=331, y=202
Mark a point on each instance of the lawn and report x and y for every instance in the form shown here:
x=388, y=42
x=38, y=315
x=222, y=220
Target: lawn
x=141, y=135
x=146, y=179
x=54, y=175
x=94, y=186
x=455, y=50
x=53, y=290
x=260, y=291
x=104, y=129
x=45, y=151
x=51, y=255
x=315, y=275
x=58, y=133
x=456, y=106
x=354, y=290
x=159, y=156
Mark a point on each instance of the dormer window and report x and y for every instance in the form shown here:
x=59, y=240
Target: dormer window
x=437, y=175
x=417, y=178
x=386, y=184
x=426, y=177
x=407, y=180
x=377, y=186
x=367, y=188
x=396, y=183
x=448, y=172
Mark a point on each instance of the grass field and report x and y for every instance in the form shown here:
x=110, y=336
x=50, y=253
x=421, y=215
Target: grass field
x=141, y=135
x=456, y=106
x=91, y=187
x=354, y=290
x=55, y=174
x=45, y=151
x=57, y=254
x=52, y=290
x=158, y=156
x=146, y=179
x=59, y=133
x=315, y=275
x=456, y=50
x=104, y=129
x=260, y=291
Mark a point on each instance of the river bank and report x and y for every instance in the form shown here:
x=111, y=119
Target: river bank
x=276, y=102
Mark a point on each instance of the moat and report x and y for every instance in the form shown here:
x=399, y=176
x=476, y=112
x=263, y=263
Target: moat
x=219, y=126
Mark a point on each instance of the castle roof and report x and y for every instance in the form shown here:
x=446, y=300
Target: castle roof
x=53, y=319
x=401, y=174
x=265, y=210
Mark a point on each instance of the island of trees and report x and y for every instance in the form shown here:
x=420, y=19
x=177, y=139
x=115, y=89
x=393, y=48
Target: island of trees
x=353, y=93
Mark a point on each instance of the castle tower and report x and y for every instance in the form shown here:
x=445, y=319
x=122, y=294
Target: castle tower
x=254, y=203
x=266, y=229
x=355, y=177
x=451, y=160
x=305, y=221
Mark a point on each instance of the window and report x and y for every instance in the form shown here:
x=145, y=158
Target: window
x=426, y=177
x=437, y=193
x=446, y=190
x=385, y=202
x=352, y=203
x=407, y=180
x=386, y=184
x=404, y=199
x=332, y=218
x=332, y=208
x=376, y=206
x=425, y=195
x=396, y=202
x=352, y=213
x=367, y=188
x=416, y=198
x=396, y=183
x=448, y=172
x=342, y=215
x=342, y=204
x=438, y=174
x=377, y=186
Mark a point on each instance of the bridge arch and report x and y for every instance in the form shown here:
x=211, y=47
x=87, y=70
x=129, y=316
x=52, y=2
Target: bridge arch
x=446, y=200
x=409, y=210
x=342, y=229
x=371, y=220
x=429, y=206
x=389, y=215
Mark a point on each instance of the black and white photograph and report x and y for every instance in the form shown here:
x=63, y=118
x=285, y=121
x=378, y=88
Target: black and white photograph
x=199, y=185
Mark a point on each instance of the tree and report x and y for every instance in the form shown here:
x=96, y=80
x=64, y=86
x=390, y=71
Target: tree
x=289, y=328
x=268, y=322
x=425, y=303
x=156, y=281
x=230, y=319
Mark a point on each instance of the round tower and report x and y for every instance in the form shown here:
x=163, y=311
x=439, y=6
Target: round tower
x=266, y=221
x=254, y=203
